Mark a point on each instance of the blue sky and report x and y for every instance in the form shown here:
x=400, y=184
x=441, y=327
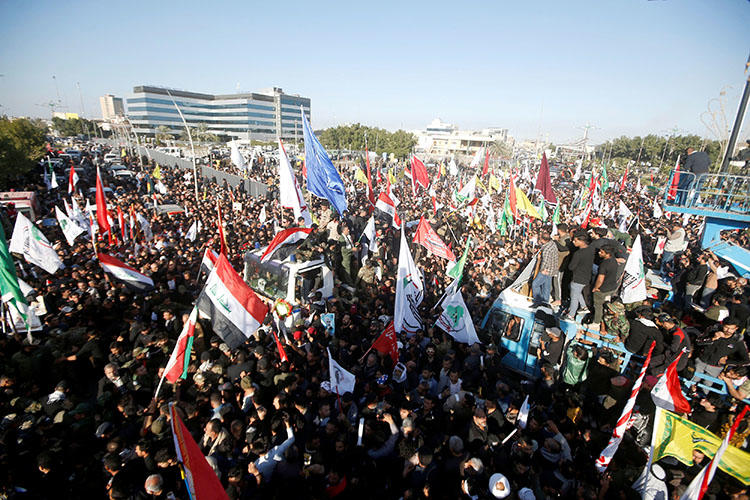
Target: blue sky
x=625, y=66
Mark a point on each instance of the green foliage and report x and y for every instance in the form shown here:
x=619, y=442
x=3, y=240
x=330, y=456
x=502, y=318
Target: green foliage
x=73, y=126
x=21, y=145
x=163, y=134
x=352, y=137
x=624, y=149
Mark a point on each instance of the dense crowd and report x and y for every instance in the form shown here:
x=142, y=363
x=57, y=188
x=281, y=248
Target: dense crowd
x=79, y=417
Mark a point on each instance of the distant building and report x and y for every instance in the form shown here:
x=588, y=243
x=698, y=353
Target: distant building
x=264, y=115
x=112, y=107
x=65, y=116
x=440, y=139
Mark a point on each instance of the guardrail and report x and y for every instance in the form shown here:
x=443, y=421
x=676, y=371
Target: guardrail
x=253, y=188
x=714, y=192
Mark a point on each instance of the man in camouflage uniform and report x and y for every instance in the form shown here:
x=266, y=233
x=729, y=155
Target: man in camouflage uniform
x=614, y=320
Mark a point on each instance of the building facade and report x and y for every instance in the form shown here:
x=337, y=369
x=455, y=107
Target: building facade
x=264, y=115
x=112, y=107
x=443, y=140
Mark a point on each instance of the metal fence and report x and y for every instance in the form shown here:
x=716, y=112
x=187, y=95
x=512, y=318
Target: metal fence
x=253, y=188
x=716, y=192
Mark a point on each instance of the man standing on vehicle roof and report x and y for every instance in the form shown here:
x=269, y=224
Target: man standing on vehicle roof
x=549, y=260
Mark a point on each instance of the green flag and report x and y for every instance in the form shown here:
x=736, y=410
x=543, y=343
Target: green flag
x=556, y=214
x=457, y=270
x=605, y=182
x=542, y=211
x=11, y=291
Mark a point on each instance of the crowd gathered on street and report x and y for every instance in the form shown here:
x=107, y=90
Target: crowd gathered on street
x=80, y=416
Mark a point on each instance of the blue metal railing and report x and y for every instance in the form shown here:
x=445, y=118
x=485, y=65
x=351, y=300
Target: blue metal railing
x=711, y=192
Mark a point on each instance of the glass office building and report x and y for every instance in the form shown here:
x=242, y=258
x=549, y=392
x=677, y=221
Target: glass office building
x=265, y=115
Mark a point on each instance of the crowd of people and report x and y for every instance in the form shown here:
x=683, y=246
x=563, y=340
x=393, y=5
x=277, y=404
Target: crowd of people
x=77, y=398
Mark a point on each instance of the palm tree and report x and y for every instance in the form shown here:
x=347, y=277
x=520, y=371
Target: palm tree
x=162, y=134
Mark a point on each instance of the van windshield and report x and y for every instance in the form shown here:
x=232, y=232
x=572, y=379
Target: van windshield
x=269, y=278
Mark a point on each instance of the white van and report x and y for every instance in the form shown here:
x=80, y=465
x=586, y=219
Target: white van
x=286, y=279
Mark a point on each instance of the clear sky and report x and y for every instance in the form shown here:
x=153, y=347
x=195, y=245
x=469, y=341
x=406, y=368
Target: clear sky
x=625, y=66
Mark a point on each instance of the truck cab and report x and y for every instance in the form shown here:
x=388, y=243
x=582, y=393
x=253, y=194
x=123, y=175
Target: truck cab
x=289, y=279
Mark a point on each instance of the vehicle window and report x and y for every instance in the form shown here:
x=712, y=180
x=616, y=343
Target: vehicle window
x=514, y=328
x=536, y=334
x=504, y=325
x=308, y=281
x=267, y=278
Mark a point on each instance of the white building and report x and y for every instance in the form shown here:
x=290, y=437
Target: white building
x=265, y=115
x=112, y=107
x=440, y=139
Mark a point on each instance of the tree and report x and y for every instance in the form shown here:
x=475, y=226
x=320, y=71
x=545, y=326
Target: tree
x=22, y=144
x=657, y=151
x=73, y=126
x=162, y=134
x=399, y=143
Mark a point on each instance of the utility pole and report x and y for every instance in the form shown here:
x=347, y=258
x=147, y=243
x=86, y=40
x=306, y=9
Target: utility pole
x=83, y=110
x=737, y=121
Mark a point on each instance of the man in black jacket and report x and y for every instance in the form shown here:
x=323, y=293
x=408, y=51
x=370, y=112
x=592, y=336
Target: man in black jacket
x=720, y=348
x=697, y=163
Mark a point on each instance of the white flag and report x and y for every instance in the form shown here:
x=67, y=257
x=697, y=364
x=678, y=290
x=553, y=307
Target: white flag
x=456, y=319
x=54, y=184
x=661, y=242
x=342, y=381
x=490, y=222
x=369, y=233
x=192, y=232
x=290, y=194
x=29, y=241
x=262, y=217
x=452, y=168
x=523, y=413
x=478, y=157
x=145, y=227
x=409, y=291
x=70, y=229
x=236, y=156
x=657, y=210
x=634, y=277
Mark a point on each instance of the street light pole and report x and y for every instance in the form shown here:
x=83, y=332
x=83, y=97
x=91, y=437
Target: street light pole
x=737, y=121
x=192, y=148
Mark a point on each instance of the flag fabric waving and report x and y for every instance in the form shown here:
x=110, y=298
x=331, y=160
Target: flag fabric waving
x=28, y=240
x=409, y=291
x=456, y=320
x=177, y=365
x=234, y=309
x=675, y=180
x=667, y=392
x=9, y=285
x=623, y=423
x=201, y=480
x=72, y=180
x=236, y=156
x=699, y=485
x=634, y=277
x=70, y=229
x=288, y=239
x=429, y=239
x=544, y=183
x=456, y=271
x=658, y=212
x=342, y=380
x=209, y=261
x=125, y=274
x=322, y=178
x=386, y=343
x=290, y=194
x=101, y=207
x=387, y=205
x=419, y=172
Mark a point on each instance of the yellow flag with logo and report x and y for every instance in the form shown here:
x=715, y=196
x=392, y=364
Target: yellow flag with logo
x=678, y=437
x=360, y=176
x=392, y=178
x=524, y=205
x=480, y=185
x=494, y=183
x=157, y=172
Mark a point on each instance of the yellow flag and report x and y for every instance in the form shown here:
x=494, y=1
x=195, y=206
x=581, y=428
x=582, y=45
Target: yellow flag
x=123, y=154
x=479, y=184
x=157, y=172
x=391, y=177
x=494, y=183
x=442, y=169
x=360, y=176
x=524, y=205
x=677, y=437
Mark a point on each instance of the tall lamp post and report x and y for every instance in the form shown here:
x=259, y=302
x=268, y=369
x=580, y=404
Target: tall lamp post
x=192, y=148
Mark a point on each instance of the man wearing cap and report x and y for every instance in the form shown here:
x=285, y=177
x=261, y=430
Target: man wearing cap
x=614, y=321
x=550, y=346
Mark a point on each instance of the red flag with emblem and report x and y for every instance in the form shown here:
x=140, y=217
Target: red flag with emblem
x=428, y=238
x=386, y=343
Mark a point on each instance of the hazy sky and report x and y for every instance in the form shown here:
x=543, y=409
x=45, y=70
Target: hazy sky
x=625, y=66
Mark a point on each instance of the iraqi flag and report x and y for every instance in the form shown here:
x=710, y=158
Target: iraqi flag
x=177, y=366
x=125, y=274
x=201, y=480
x=234, y=309
x=209, y=261
x=285, y=242
x=72, y=180
x=428, y=238
x=667, y=392
x=386, y=204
